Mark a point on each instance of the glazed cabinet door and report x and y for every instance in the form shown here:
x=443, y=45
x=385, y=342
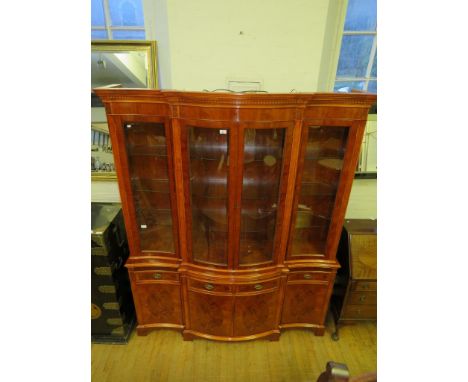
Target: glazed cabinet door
x=207, y=152
x=321, y=160
x=146, y=180
x=263, y=164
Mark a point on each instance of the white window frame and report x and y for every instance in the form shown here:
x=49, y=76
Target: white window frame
x=108, y=22
x=367, y=77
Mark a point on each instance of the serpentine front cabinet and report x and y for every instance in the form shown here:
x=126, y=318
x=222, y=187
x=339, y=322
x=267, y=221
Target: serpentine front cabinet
x=233, y=205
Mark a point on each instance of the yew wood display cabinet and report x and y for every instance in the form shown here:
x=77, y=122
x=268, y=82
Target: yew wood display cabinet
x=233, y=205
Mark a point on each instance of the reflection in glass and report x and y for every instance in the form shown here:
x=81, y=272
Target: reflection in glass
x=348, y=86
x=323, y=160
x=209, y=168
x=98, y=35
x=128, y=35
x=354, y=55
x=126, y=12
x=97, y=13
x=361, y=15
x=263, y=159
x=148, y=167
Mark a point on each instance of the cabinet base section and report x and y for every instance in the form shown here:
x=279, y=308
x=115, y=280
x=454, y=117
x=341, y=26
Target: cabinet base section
x=272, y=335
x=143, y=330
x=319, y=330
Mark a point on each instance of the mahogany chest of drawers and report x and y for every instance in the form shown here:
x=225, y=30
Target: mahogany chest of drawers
x=354, y=296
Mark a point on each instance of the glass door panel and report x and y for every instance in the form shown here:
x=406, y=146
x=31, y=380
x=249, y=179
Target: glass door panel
x=208, y=171
x=148, y=167
x=323, y=159
x=263, y=160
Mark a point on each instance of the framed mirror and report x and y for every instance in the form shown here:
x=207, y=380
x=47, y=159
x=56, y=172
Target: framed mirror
x=128, y=64
x=131, y=64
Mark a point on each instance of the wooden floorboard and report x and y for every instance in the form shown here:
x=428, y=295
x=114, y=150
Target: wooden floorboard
x=297, y=356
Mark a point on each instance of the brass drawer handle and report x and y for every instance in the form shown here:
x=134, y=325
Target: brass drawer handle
x=209, y=286
x=157, y=276
x=362, y=298
x=258, y=287
x=307, y=276
x=365, y=286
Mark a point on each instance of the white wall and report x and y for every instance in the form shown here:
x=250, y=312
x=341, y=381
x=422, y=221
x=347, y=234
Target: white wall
x=277, y=42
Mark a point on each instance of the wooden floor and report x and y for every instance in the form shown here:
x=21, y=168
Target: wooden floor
x=298, y=356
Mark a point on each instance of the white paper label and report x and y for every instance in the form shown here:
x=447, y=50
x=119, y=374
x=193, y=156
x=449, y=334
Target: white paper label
x=143, y=226
x=223, y=131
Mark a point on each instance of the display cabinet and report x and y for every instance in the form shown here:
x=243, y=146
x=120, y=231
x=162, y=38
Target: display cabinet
x=234, y=205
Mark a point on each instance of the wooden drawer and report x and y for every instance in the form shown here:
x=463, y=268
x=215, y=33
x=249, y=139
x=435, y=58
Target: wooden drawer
x=309, y=276
x=208, y=286
x=155, y=275
x=363, y=312
x=258, y=286
x=364, y=285
x=362, y=298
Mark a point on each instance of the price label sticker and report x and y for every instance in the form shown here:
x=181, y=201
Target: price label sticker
x=223, y=132
x=143, y=226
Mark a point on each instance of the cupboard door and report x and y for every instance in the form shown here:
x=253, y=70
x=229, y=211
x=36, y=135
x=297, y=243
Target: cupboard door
x=148, y=163
x=211, y=313
x=260, y=190
x=208, y=171
x=304, y=303
x=157, y=303
x=322, y=155
x=256, y=313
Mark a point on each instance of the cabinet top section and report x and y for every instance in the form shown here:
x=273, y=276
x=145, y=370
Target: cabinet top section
x=235, y=100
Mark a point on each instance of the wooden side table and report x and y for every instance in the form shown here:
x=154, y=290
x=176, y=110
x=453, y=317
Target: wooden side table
x=354, y=296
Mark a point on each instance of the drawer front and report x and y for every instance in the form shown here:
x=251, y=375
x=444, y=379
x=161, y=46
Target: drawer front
x=156, y=275
x=362, y=298
x=157, y=303
x=258, y=286
x=362, y=312
x=208, y=286
x=364, y=285
x=309, y=276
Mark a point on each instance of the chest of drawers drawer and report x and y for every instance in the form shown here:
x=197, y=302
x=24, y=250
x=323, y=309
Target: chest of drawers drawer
x=364, y=286
x=362, y=298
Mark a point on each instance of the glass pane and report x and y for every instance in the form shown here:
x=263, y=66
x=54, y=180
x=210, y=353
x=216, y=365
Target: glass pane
x=126, y=13
x=322, y=168
x=263, y=160
x=361, y=15
x=97, y=13
x=128, y=35
x=372, y=87
x=374, y=66
x=347, y=86
x=98, y=35
x=354, y=55
x=147, y=157
x=209, y=168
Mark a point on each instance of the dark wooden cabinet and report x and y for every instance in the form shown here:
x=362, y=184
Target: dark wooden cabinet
x=355, y=292
x=237, y=201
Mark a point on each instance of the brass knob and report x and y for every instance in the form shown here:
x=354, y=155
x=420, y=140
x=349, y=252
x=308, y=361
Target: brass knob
x=307, y=276
x=362, y=298
x=157, y=276
x=258, y=287
x=209, y=286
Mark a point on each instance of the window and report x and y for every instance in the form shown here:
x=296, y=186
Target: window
x=357, y=65
x=117, y=20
